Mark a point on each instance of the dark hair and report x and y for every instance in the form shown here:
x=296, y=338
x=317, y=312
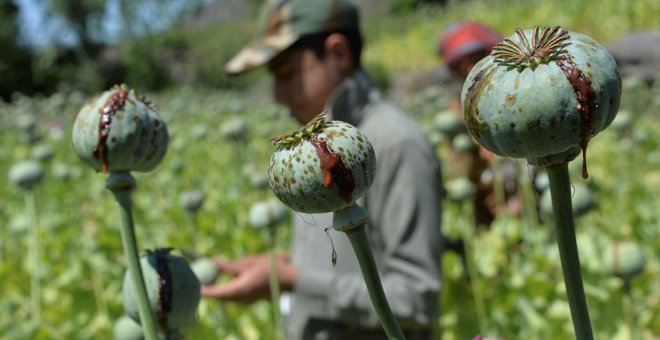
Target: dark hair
x=316, y=43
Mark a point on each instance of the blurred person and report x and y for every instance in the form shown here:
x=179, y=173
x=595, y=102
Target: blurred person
x=461, y=46
x=312, y=49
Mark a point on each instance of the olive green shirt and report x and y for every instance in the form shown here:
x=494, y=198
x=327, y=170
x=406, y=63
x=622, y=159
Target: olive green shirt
x=404, y=205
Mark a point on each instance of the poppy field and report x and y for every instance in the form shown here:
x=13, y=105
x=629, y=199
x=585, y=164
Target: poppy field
x=60, y=237
x=61, y=260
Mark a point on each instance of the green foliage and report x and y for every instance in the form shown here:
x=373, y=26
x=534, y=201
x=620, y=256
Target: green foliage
x=391, y=39
x=144, y=64
x=517, y=268
x=211, y=49
x=380, y=75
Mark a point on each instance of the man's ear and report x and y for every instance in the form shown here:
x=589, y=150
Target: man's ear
x=337, y=48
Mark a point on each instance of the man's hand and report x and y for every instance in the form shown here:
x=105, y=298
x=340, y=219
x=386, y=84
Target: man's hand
x=251, y=278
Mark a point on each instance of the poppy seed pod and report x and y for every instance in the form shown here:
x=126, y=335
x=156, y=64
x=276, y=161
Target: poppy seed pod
x=624, y=259
x=119, y=131
x=267, y=213
x=172, y=287
x=192, y=200
x=323, y=167
x=26, y=174
x=205, y=269
x=126, y=328
x=542, y=94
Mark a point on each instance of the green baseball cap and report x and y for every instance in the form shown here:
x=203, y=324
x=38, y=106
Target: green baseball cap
x=282, y=22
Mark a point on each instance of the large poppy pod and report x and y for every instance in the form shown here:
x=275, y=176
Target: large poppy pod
x=542, y=94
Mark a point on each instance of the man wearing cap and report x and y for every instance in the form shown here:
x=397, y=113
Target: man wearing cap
x=312, y=48
x=461, y=46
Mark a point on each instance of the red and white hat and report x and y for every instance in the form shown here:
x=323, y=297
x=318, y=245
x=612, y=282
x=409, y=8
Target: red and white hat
x=463, y=38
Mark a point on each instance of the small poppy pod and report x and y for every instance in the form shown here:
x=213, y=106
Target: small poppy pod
x=542, y=94
x=173, y=290
x=324, y=167
x=267, y=213
x=126, y=328
x=119, y=131
x=26, y=174
x=624, y=259
x=205, y=269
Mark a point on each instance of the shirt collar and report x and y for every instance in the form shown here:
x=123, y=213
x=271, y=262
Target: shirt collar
x=353, y=94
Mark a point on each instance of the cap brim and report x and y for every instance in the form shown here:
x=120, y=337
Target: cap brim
x=259, y=52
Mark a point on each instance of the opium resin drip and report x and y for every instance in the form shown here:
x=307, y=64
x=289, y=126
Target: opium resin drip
x=587, y=104
x=165, y=291
x=334, y=170
x=115, y=103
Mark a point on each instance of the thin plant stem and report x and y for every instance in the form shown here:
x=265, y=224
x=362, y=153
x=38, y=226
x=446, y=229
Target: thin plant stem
x=274, y=283
x=530, y=197
x=498, y=187
x=357, y=235
x=33, y=250
x=468, y=233
x=191, y=217
x=628, y=309
x=97, y=281
x=97, y=287
x=122, y=194
x=560, y=190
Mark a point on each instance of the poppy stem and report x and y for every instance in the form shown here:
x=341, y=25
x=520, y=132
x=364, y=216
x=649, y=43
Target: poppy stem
x=352, y=220
x=274, y=283
x=35, y=275
x=122, y=184
x=560, y=190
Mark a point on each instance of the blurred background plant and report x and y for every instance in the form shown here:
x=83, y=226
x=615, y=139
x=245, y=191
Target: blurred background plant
x=514, y=262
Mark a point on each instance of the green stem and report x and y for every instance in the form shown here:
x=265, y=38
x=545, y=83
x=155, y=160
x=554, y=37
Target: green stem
x=97, y=288
x=498, y=187
x=35, y=281
x=530, y=198
x=121, y=184
x=467, y=233
x=560, y=190
x=628, y=309
x=194, y=227
x=274, y=283
x=352, y=221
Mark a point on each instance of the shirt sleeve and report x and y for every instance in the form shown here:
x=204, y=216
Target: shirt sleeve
x=404, y=205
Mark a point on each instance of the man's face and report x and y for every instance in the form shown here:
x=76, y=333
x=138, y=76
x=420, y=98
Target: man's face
x=464, y=64
x=303, y=82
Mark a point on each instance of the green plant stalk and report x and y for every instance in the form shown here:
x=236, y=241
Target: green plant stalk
x=274, y=283
x=97, y=281
x=33, y=250
x=360, y=243
x=191, y=217
x=560, y=190
x=122, y=195
x=467, y=233
x=530, y=197
x=628, y=309
x=97, y=288
x=498, y=187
